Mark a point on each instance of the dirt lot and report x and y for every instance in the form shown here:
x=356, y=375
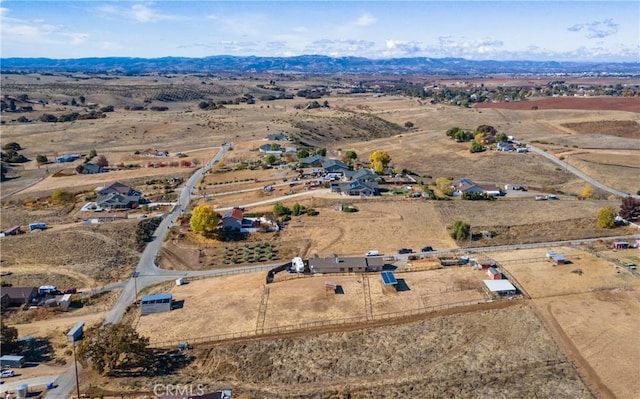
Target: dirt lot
x=591, y=315
x=234, y=301
x=542, y=279
x=79, y=256
x=469, y=355
x=600, y=324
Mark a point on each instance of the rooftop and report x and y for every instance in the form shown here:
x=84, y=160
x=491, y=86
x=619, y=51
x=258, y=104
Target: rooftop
x=499, y=285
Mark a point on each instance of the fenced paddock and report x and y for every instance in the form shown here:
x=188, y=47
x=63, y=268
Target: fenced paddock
x=228, y=304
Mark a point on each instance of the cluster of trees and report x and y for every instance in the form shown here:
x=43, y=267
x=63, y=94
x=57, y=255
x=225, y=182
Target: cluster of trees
x=203, y=220
x=478, y=197
x=72, y=117
x=144, y=231
x=10, y=153
x=209, y=105
x=629, y=211
x=312, y=105
x=280, y=210
x=481, y=135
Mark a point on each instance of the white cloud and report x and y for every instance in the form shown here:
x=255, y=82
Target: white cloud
x=399, y=48
x=142, y=13
x=596, y=29
x=365, y=20
x=78, y=38
x=339, y=48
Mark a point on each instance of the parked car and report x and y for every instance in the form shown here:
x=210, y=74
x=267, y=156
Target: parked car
x=405, y=251
x=426, y=249
x=6, y=373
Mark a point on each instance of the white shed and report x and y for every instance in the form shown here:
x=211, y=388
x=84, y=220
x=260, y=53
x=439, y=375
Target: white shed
x=65, y=301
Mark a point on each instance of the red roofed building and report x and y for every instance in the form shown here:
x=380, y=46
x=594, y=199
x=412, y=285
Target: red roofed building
x=232, y=220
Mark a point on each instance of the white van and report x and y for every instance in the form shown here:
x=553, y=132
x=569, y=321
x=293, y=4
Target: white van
x=373, y=252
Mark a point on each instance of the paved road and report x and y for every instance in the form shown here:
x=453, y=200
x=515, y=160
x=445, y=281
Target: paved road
x=578, y=172
x=147, y=271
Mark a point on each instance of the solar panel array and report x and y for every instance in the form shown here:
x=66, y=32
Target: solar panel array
x=388, y=278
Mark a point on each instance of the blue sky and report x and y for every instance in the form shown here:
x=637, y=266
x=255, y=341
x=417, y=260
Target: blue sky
x=479, y=30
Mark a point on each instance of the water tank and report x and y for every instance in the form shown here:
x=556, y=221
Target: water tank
x=21, y=391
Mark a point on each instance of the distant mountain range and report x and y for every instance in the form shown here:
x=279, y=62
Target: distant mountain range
x=311, y=64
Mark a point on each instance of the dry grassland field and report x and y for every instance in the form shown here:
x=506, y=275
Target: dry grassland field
x=481, y=354
x=232, y=303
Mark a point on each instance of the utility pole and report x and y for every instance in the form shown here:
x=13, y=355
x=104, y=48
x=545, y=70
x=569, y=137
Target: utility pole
x=75, y=364
x=135, y=286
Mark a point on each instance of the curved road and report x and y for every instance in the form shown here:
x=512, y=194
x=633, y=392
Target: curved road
x=578, y=172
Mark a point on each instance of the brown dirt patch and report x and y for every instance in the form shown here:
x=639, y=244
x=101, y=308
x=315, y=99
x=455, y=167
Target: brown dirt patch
x=296, y=300
x=477, y=354
x=581, y=103
x=601, y=324
x=541, y=279
x=629, y=129
x=101, y=253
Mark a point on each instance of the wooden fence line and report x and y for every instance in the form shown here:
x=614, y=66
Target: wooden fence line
x=315, y=325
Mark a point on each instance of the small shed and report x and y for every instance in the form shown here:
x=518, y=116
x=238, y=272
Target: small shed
x=12, y=361
x=76, y=332
x=65, y=301
x=500, y=287
x=157, y=303
x=494, y=274
x=558, y=259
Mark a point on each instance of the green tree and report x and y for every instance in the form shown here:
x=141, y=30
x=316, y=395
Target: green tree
x=302, y=153
x=82, y=99
x=271, y=159
x=41, y=158
x=61, y=196
x=322, y=152
x=74, y=102
x=280, y=210
x=12, y=146
x=113, y=346
x=501, y=137
x=452, y=132
x=461, y=231
x=274, y=146
x=8, y=338
x=203, y=219
x=297, y=209
x=408, y=125
x=380, y=160
x=350, y=155
x=606, y=217
x=476, y=147
x=461, y=136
